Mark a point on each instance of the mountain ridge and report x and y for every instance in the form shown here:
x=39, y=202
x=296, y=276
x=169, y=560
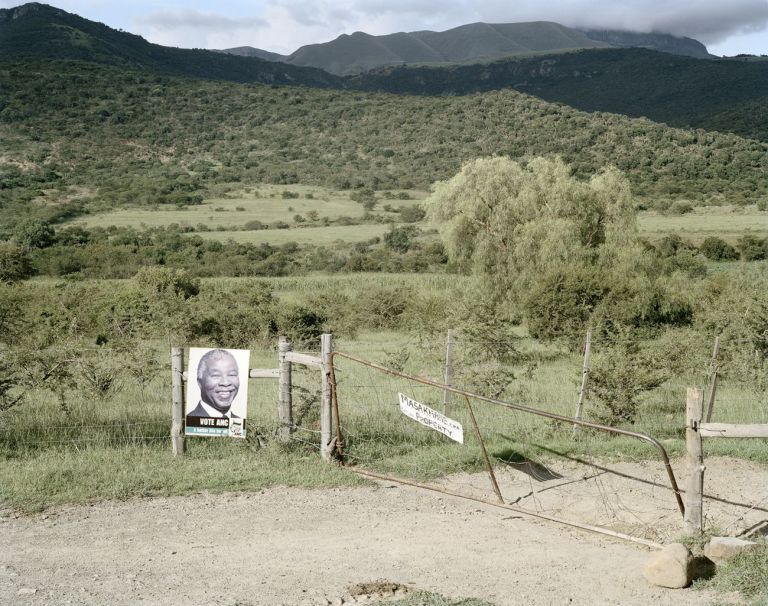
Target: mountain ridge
x=352, y=54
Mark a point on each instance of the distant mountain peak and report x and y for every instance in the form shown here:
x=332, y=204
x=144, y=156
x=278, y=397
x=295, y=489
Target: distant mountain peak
x=359, y=51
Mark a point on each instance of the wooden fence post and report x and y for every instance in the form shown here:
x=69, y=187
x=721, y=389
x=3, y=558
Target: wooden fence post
x=584, y=378
x=284, y=401
x=448, y=370
x=177, y=401
x=326, y=412
x=694, y=495
x=712, y=381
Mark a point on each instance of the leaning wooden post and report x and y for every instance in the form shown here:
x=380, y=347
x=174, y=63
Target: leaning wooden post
x=694, y=495
x=177, y=401
x=284, y=401
x=448, y=369
x=326, y=410
x=584, y=378
x=712, y=381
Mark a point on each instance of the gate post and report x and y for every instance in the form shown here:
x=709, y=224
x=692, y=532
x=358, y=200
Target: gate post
x=178, y=441
x=326, y=413
x=448, y=374
x=694, y=494
x=284, y=401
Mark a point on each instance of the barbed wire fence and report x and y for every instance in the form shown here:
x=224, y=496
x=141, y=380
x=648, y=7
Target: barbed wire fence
x=100, y=397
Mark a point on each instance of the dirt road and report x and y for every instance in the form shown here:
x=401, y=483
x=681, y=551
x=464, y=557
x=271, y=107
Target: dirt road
x=295, y=546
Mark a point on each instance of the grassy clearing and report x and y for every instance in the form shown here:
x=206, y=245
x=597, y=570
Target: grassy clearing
x=265, y=203
x=726, y=222
x=305, y=235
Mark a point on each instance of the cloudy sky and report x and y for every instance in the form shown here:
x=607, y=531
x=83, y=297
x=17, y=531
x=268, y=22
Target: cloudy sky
x=727, y=27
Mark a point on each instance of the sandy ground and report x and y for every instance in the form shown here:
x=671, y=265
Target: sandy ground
x=296, y=546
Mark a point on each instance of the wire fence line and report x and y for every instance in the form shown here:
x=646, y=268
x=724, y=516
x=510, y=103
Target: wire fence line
x=143, y=395
x=531, y=457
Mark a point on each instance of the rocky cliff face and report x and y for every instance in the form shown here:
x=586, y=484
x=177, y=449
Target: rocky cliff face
x=665, y=43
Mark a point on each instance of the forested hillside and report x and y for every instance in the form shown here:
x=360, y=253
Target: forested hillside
x=76, y=136
x=728, y=96
x=724, y=95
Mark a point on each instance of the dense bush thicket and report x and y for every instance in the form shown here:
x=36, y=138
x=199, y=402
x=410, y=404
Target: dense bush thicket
x=724, y=95
x=120, y=252
x=45, y=325
x=107, y=137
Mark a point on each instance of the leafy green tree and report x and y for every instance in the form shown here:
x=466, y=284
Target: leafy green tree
x=520, y=227
x=15, y=263
x=399, y=239
x=618, y=377
x=166, y=294
x=35, y=233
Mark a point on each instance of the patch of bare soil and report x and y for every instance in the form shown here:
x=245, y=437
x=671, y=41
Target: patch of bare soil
x=295, y=547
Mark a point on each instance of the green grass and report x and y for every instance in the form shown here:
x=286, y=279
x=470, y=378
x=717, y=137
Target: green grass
x=746, y=574
x=304, y=235
x=260, y=202
x=264, y=203
x=728, y=223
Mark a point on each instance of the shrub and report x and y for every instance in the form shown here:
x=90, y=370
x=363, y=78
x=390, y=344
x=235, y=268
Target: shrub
x=617, y=379
x=399, y=239
x=302, y=325
x=716, y=249
x=412, y=214
x=15, y=263
x=562, y=301
x=680, y=207
x=752, y=248
x=34, y=233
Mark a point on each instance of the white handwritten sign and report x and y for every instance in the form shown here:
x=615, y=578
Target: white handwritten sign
x=431, y=418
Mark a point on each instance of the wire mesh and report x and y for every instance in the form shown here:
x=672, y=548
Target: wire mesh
x=378, y=437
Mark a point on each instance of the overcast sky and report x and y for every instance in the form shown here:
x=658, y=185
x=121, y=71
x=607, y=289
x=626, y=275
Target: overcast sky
x=727, y=27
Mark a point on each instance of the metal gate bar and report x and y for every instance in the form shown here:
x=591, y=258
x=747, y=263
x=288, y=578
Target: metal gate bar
x=517, y=407
x=502, y=505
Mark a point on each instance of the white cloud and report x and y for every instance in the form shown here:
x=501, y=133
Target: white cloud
x=285, y=25
x=198, y=29
x=710, y=21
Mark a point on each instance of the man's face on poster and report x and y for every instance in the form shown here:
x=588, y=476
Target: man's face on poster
x=220, y=382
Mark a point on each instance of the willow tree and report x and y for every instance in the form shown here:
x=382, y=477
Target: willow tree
x=538, y=239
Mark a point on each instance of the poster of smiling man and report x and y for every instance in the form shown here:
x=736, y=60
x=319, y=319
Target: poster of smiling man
x=217, y=392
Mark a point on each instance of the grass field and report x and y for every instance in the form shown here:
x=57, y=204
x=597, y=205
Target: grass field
x=728, y=223
x=306, y=235
x=264, y=203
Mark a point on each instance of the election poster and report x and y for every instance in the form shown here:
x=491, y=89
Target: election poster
x=217, y=392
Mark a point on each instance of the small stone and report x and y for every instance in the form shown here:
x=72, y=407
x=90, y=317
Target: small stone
x=26, y=591
x=722, y=549
x=671, y=567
